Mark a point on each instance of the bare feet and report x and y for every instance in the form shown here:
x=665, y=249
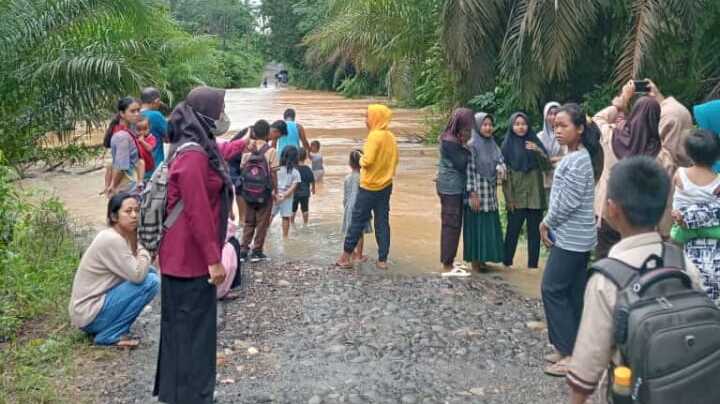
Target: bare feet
x=344, y=261
x=360, y=258
x=382, y=265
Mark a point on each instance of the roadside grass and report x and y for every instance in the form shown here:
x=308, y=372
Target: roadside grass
x=39, y=252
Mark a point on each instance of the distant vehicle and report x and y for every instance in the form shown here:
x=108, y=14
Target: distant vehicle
x=282, y=77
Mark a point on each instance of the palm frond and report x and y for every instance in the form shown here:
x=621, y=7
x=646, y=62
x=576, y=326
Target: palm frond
x=645, y=24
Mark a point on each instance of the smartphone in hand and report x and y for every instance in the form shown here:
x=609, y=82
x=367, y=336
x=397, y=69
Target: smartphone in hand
x=642, y=86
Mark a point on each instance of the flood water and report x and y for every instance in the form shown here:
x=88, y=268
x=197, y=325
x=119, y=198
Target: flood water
x=338, y=123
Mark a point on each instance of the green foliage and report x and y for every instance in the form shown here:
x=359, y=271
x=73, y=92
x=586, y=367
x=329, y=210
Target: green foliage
x=68, y=61
x=501, y=103
x=38, y=258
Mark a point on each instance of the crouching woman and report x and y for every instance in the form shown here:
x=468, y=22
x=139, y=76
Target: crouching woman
x=114, y=281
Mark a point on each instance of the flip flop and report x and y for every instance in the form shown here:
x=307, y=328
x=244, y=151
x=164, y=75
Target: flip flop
x=456, y=272
x=126, y=343
x=344, y=266
x=230, y=296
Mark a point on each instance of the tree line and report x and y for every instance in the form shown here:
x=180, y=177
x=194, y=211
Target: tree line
x=502, y=53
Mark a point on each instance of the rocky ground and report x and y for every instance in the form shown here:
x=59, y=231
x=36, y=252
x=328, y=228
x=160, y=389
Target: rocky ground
x=307, y=334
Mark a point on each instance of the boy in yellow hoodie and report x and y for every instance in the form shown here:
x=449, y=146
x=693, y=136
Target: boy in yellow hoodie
x=377, y=169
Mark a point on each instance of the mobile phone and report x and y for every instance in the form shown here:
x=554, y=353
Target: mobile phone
x=642, y=86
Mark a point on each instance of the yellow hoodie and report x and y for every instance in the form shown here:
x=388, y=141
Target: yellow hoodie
x=380, y=155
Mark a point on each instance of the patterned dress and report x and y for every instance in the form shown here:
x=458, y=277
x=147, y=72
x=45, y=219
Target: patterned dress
x=704, y=252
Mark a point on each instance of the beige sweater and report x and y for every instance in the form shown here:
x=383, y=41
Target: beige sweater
x=606, y=120
x=595, y=344
x=107, y=262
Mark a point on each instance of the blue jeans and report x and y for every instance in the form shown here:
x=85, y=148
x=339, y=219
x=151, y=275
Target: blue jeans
x=122, y=306
x=368, y=204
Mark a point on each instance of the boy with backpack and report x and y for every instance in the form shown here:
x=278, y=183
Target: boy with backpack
x=642, y=307
x=257, y=185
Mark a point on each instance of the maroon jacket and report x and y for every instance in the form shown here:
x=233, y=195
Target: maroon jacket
x=192, y=244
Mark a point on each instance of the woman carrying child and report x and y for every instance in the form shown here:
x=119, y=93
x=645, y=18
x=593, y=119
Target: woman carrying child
x=696, y=209
x=351, y=188
x=126, y=170
x=569, y=231
x=482, y=232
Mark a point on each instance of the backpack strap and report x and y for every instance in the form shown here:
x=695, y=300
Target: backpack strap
x=177, y=210
x=620, y=273
x=174, y=215
x=673, y=256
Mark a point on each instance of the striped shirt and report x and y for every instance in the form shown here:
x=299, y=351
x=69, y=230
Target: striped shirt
x=571, y=217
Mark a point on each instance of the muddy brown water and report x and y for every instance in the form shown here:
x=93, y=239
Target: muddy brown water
x=338, y=123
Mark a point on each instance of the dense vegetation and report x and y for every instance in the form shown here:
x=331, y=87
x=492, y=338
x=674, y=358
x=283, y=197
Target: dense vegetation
x=498, y=54
x=67, y=61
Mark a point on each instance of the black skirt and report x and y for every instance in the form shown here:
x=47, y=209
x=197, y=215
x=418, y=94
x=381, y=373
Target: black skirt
x=188, y=339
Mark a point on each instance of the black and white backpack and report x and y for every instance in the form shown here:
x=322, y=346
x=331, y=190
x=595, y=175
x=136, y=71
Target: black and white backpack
x=154, y=219
x=668, y=333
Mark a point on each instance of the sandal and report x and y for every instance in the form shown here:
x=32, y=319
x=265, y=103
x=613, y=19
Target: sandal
x=230, y=296
x=127, y=343
x=554, y=357
x=558, y=369
x=456, y=272
x=341, y=265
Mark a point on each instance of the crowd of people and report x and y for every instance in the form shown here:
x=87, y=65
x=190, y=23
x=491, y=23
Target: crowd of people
x=616, y=185
x=620, y=185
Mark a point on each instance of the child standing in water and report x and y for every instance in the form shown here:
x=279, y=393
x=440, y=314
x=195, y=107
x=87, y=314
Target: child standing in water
x=288, y=178
x=351, y=187
x=317, y=161
x=305, y=188
x=696, y=209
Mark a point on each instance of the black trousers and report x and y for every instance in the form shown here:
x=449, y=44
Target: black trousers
x=563, y=290
x=377, y=205
x=188, y=339
x=516, y=219
x=451, y=216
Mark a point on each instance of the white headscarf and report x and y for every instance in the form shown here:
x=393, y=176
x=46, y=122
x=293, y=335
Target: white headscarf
x=547, y=136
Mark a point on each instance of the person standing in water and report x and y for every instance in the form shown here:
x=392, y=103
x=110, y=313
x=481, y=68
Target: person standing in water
x=351, y=186
x=294, y=134
x=317, y=161
x=451, y=183
x=482, y=232
x=378, y=165
x=554, y=149
x=525, y=200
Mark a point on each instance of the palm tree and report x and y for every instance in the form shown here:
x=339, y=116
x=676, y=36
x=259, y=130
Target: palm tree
x=376, y=36
x=533, y=42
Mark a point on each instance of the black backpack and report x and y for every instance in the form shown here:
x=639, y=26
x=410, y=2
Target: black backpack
x=255, y=180
x=668, y=333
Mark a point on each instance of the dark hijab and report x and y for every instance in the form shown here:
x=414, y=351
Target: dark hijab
x=462, y=118
x=485, y=151
x=639, y=134
x=191, y=121
x=517, y=157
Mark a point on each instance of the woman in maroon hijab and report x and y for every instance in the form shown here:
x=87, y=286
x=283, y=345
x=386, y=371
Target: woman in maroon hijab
x=621, y=138
x=190, y=253
x=451, y=182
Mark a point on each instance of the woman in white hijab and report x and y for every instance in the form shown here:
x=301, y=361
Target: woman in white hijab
x=547, y=137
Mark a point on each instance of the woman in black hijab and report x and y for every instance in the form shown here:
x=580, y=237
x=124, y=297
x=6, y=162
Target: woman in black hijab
x=526, y=159
x=199, y=188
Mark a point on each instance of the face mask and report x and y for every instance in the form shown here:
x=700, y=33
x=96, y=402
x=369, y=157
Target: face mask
x=221, y=126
